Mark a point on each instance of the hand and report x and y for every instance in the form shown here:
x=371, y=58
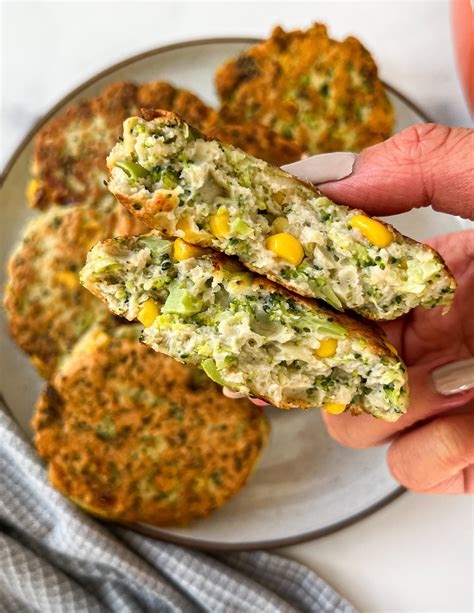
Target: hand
x=432, y=448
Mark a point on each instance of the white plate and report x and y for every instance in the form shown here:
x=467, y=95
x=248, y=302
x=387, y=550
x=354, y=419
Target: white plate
x=305, y=485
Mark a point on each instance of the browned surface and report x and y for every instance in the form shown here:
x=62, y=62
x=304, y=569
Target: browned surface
x=133, y=435
x=323, y=94
x=256, y=140
x=69, y=162
x=48, y=311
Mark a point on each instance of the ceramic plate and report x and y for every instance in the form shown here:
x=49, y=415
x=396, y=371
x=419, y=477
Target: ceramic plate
x=305, y=485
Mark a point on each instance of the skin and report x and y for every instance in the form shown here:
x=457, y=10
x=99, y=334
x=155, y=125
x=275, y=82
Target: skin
x=431, y=447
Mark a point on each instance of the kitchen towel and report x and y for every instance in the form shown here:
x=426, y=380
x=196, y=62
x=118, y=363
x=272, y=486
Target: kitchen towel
x=56, y=558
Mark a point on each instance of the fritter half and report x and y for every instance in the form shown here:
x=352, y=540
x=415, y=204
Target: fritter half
x=47, y=309
x=323, y=94
x=131, y=435
x=244, y=331
x=176, y=181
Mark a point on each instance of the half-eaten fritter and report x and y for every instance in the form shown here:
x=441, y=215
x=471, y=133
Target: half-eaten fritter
x=244, y=331
x=177, y=181
x=323, y=94
x=133, y=436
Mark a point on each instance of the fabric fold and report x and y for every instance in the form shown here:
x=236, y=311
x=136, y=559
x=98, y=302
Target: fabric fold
x=57, y=558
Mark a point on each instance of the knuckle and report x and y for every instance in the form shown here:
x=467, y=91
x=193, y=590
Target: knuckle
x=449, y=441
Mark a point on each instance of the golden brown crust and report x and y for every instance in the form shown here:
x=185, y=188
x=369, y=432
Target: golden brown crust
x=132, y=446
x=46, y=306
x=256, y=140
x=323, y=94
x=161, y=95
x=44, y=300
x=69, y=159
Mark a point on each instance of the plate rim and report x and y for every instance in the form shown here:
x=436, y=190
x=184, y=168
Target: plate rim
x=160, y=533
x=41, y=121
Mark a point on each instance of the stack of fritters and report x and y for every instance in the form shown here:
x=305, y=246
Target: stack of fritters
x=128, y=433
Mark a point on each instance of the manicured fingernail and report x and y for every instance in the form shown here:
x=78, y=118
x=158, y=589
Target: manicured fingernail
x=322, y=168
x=454, y=378
x=259, y=403
x=230, y=393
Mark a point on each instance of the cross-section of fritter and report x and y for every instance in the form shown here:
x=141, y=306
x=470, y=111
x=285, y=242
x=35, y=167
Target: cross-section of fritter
x=130, y=435
x=180, y=183
x=245, y=331
x=323, y=94
x=47, y=309
x=70, y=151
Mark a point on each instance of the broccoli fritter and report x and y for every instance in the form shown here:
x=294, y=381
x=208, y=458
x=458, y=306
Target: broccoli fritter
x=133, y=436
x=47, y=309
x=322, y=94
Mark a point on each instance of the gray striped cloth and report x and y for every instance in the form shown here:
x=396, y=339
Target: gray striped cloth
x=55, y=558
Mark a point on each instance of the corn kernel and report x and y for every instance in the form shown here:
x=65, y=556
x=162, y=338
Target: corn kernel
x=334, y=408
x=279, y=197
x=219, y=224
x=183, y=250
x=31, y=190
x=67, y=278
x=280, y=224
x=148, y=312
x=287, y=247
x=374, y=231
x=98, y=339
x=186, y=225
x=327, y=348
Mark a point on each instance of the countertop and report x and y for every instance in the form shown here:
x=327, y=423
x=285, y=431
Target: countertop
x=417, y=553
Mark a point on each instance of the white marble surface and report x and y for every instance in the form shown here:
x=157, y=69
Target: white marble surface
x=416, y=554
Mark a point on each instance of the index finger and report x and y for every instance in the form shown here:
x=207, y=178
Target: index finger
x=422, y=165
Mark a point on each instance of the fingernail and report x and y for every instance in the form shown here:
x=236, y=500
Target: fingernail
x=454, y=378
x=322, y=168
x=230, y=393
x=259, y=403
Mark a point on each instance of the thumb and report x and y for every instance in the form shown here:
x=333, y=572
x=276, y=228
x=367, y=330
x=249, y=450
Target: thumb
x=424, y=164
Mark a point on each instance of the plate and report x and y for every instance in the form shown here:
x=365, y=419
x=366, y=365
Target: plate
x=306, y=485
